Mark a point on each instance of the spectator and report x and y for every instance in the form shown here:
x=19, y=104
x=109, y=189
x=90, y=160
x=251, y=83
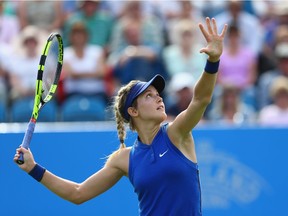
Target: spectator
x=187, y=11
x=9, y=26
x=69, y=8
x=276, y=114
x=238, y=66
x=45, y=15
x=163, y=10
x=268, y=60
x=84, y=67
x=247, y=24
x=98, y=23
x=238, y=62
x=10, y=7
x=149, y=28
x=24, y=65
x=230, y=109
x=278, y=15
x=183, y=54
x=280, y=35
x=180, y=93
x=136, y=50
x=265, y=80
x=136, y=60
x=274, y=21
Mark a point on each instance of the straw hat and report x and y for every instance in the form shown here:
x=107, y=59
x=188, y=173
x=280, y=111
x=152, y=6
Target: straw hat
x=29, y=32
x=279, y=84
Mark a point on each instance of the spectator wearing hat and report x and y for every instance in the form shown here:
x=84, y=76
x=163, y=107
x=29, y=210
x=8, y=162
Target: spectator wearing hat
x=267, y=59
x=275, y=23
x=266, y=79
x=278, y=11
x=22, y=69
x=180, y=93
x=276, y=114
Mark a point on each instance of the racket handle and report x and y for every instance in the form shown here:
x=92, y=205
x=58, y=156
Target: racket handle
x=26, y=140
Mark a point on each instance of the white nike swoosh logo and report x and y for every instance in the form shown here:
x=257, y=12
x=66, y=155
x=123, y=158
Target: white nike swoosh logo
x=161, y=155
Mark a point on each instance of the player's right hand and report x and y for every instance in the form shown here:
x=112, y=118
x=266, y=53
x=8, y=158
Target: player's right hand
x=28, y=159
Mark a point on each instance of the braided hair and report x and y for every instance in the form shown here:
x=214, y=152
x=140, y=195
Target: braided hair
x=119, y=103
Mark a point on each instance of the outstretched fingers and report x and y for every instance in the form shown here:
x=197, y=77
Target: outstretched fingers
x=204, y=32
x=214, y=40
x=224, y=30
x=215, y=29
x=208, y=24
x=211, y=29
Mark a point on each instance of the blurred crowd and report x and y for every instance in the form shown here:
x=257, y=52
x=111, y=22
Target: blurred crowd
x=108, y=43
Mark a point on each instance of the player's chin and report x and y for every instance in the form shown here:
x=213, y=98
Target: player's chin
x=162, y=116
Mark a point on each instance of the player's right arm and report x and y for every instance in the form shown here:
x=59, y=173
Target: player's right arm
x=93, y=186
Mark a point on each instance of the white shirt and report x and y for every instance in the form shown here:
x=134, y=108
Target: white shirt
x=25, y=69
x=88, y=63
x=272, y=115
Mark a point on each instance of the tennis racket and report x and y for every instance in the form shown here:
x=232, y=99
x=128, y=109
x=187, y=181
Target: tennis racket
x=49, y=71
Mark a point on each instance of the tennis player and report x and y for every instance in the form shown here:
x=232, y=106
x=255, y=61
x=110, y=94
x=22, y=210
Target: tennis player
x=162, y=163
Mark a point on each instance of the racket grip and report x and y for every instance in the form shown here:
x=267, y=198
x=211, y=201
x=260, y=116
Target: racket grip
x=26, y=140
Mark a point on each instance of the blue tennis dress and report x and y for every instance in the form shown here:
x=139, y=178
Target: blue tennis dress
x=165, y=181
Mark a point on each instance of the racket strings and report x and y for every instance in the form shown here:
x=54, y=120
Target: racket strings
x=50, y=68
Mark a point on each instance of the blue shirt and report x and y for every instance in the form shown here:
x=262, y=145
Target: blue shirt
x=165, y=181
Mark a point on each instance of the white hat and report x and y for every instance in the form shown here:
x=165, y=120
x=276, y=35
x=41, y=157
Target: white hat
x=181, y=80
x=281, y=50
x=29, y=32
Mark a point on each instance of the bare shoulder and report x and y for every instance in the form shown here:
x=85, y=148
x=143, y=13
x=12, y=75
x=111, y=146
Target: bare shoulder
x=120, y=160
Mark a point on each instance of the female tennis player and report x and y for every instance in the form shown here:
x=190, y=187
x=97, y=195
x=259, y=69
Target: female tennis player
x=162, y=163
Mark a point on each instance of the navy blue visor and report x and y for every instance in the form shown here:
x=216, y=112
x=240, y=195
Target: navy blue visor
x=157, y=81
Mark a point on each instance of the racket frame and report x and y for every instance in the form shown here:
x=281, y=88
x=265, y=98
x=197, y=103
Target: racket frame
x=39, y=102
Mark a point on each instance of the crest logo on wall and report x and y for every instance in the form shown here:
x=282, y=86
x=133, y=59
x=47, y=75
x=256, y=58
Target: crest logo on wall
x=225, y=180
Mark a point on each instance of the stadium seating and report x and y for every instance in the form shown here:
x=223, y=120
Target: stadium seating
x=83, y=108
x=49, y=113
x=21, y=111
x=2, y=112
